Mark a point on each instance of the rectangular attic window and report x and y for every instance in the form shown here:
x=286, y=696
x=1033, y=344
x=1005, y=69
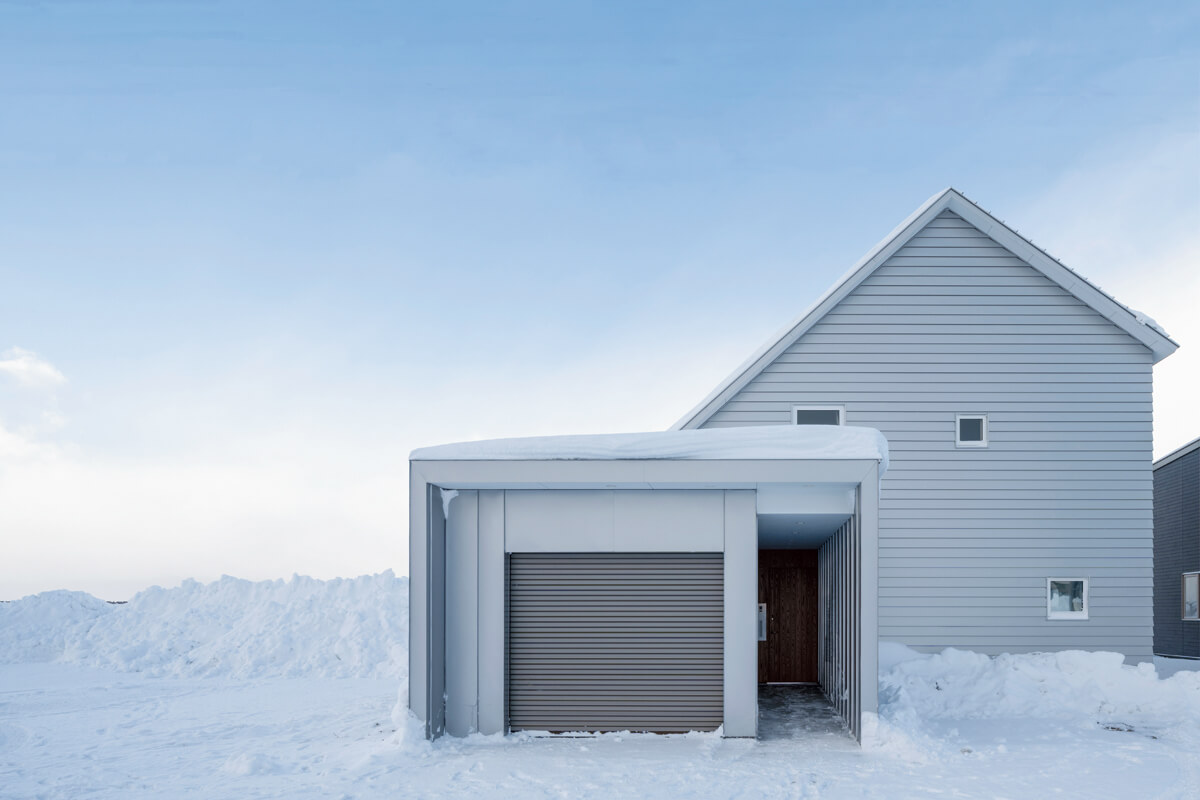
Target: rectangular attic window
x=971, y=430
x=818, y=415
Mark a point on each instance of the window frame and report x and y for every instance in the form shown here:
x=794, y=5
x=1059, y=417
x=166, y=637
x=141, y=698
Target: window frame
x=958, y=418
x=841, y=411
x=1070, y=615
x=1183, y=596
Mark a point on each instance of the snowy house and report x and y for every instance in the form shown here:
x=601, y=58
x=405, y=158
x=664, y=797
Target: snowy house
x=1177, y=553
x=655, y=581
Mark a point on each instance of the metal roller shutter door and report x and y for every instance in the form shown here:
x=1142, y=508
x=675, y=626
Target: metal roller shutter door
x=616, y=641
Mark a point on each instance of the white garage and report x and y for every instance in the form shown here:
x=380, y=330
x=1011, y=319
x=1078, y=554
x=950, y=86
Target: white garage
x=601, y=583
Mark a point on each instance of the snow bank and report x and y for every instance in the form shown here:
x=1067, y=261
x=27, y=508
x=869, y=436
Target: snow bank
x=1089, y=687
x=229, y=628
x=359, y=627
x=803, y=442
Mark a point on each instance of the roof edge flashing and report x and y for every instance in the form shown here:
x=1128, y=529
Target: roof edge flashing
x=754, y=443
x=1178, y=453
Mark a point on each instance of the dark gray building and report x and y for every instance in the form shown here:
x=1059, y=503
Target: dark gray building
x=1177, y=553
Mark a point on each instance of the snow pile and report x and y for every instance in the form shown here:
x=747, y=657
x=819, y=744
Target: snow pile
x=41, y=627
x=802, y=442
x=229, y=628
x=1091, y=688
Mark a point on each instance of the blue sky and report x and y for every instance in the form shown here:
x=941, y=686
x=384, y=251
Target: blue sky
x=255, y=253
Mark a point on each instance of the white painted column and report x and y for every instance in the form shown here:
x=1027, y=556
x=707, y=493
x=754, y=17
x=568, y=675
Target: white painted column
x=418, y=582
x=435, y=615
x=868, y=531
x=462, y=615
x=741, y=610
x=493, y=591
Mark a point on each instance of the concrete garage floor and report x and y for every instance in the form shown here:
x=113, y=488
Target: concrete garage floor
x=795, y=711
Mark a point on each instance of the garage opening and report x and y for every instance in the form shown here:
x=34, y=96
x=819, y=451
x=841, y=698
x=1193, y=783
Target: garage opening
x=615, y=641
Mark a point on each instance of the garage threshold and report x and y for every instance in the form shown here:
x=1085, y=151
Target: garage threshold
x=786, y=711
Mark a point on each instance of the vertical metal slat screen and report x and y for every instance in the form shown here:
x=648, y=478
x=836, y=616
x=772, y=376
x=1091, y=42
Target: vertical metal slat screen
x=615, y=641
x=839, y=565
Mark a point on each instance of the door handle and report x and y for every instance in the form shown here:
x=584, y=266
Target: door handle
x=762, y=622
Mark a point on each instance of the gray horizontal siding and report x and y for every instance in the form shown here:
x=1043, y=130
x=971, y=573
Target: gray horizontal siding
x=953, y=323
x=941, y=597
x=1032, y=579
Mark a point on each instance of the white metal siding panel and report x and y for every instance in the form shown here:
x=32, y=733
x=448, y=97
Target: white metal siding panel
x=954, y=323
x=611, y=642
x=741, y=601
x=558, y=521
x=462, y=615
x=493, y=589
x=605, y=521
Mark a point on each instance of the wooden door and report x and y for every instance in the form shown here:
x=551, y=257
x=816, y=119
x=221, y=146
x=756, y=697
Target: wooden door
x=787, y=584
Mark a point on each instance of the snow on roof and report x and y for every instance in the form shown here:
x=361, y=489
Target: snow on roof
x=1143, y=318
x=792, y=442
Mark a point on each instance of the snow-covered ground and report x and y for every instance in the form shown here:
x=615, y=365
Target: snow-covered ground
x=289, y=689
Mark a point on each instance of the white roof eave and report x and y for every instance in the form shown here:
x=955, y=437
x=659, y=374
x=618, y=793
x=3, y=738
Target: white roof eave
x=797, y=443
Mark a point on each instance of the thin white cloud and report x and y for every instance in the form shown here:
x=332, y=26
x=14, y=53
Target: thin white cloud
x=29, y=370
x=18, y=447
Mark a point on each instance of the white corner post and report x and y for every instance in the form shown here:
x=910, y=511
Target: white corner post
x=869, y=595
x=427, y=605
x=493, y=604
x=462, y=614
x=741, y=599
x=418, y=589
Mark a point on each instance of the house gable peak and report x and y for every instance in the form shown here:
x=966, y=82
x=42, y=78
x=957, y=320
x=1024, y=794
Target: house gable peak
x=1132, y=322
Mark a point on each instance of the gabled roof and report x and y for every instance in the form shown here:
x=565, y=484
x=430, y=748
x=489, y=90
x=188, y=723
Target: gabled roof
x=1136, y=324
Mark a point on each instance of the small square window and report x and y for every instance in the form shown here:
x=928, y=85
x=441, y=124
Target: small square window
x=971, y=430
x=1067, y=598
x=818, y=415
x=1191, y=595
